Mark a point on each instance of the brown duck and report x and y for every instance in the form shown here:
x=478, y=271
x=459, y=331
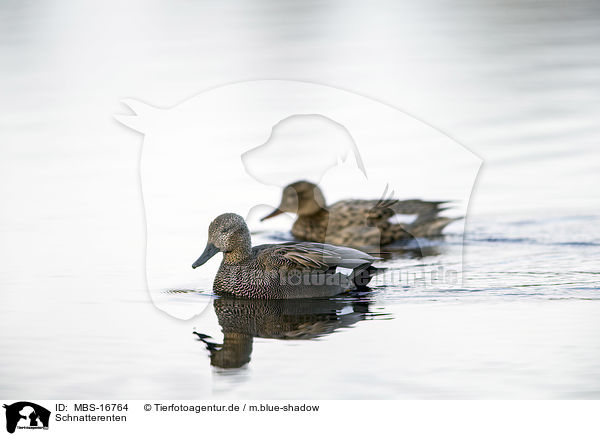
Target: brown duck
x=357, y=223
x=279, y=271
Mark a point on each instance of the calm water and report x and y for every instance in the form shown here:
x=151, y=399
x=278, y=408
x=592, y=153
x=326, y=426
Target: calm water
x=517, y=82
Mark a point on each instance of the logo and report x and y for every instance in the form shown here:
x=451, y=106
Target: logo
x=26, y=415
x=239, y=145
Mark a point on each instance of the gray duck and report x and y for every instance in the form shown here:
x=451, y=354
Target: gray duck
x=278, y=271
x=357, y=223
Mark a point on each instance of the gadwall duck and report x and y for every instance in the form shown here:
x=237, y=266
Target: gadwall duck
x=277, y=271
x=357, y=223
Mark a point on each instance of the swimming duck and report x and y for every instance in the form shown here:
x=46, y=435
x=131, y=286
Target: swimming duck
x=286, y=270
x=357, y=223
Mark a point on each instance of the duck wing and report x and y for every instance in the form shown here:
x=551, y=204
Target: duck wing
x=403, y=207
x=312, y=256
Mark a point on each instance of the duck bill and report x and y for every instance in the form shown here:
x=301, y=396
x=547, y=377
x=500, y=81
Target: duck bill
x=209, y=252
x=272, y=214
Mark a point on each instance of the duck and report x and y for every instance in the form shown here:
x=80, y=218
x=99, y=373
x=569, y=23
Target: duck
x=357, y=223
x=281, y=271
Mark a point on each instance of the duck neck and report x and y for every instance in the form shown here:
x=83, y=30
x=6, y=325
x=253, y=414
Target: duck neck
x=238, y=255
x=318, y=215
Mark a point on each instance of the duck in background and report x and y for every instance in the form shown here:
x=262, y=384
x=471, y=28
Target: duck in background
x=357, y=223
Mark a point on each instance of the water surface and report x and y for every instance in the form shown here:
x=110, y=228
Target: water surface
x=517, y=82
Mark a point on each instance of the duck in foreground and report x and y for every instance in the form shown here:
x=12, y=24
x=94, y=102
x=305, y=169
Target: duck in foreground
x=277, y=271
x=357, y=223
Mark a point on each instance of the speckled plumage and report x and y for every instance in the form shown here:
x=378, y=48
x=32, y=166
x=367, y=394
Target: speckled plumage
x=279, y=271
x=357, y=223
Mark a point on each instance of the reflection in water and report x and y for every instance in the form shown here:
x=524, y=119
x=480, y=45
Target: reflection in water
x=242, y=320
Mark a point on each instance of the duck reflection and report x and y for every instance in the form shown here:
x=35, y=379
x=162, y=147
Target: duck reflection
x=242, y=320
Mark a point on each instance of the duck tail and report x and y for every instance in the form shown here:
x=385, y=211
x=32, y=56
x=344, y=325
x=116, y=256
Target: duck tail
x=432, y=227
x=363, y=275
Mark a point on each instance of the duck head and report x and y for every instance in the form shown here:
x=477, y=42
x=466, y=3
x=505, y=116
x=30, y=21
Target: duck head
x=301, y=198
x=229, y=234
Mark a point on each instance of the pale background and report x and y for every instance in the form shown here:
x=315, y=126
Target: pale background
x=516, y=82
